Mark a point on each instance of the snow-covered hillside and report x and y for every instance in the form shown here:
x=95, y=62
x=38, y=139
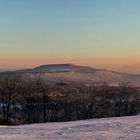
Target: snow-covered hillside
x=125, y=128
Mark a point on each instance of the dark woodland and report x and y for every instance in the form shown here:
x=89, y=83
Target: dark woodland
x=38, y=101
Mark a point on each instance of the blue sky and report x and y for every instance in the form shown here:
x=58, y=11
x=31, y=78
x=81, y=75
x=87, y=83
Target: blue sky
x=77, y=31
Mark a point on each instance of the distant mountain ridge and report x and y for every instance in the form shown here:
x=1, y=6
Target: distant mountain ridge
x=58, y=67
x=76, y=73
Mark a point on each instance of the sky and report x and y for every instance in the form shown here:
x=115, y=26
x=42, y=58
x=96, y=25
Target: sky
x=98, y=33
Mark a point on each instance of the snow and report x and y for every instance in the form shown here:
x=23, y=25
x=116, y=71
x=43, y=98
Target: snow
x=123, y=128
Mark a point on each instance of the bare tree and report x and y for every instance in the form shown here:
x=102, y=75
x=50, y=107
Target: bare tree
x=8, y=92
x=126, y=94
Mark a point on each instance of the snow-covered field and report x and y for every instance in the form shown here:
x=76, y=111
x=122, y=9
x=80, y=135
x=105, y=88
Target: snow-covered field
x=124, y=128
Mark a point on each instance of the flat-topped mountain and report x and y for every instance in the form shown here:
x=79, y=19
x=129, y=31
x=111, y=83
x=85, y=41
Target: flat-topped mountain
x=76, y=73
x=59, y=68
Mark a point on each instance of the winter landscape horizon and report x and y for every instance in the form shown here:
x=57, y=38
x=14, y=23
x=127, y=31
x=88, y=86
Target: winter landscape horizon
x=69, y=70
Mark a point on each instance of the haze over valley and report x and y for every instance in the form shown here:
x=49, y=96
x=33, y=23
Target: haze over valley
x=76, y=73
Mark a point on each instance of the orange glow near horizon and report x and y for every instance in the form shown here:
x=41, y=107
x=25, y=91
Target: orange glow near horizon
x=116, y=64
x=94, y=33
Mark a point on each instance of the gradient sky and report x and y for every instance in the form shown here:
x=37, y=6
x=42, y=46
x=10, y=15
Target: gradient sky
x=99, y=33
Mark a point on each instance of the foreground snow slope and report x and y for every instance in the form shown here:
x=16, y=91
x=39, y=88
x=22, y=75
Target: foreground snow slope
x=125, y=128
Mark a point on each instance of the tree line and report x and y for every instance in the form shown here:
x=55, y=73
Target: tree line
x=38, y=101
